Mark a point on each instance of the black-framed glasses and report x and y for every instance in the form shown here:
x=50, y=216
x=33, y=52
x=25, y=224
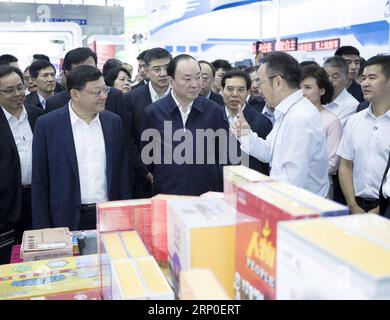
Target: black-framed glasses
x=18, y=88
x=98, y=93
x=269, y=78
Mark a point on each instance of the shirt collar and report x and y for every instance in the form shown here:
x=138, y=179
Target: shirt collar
x=208, y=95
x=74, y=118
x=179, y=105
x=153, y=94
x=287, y=103
x=8, y=116
x=370, y=113
x=340, y=98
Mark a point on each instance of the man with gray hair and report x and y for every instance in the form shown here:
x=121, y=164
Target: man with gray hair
x=343, y=104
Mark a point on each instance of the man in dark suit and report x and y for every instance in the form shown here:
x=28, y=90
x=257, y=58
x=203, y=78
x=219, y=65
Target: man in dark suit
x=156, y=61
x=182, y=134
x=141, y=76
x=254, y=100
x=208, y=74
x=79, y=156
x=384, y=194
x=363, y=105
x=43, y=74
x=17, y=123
x=235, y=87
x=114, y=102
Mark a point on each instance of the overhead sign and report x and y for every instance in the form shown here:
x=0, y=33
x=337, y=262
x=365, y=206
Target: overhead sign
x=290, y=44
x=320, y=45
x=81, y=22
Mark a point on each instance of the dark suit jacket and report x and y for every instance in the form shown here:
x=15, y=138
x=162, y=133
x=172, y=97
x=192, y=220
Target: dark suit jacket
x=355, y=90
x=10, y=172
x=56, y=198
x=33, y=99
x=185, y=179
x=217, y=98
x=139, y=84
x=259, y=124
x=256, y=103
x=115, y=104
x=362, y=105
x=383, y=203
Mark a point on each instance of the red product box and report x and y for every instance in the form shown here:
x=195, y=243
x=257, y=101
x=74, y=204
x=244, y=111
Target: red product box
x=259, y=209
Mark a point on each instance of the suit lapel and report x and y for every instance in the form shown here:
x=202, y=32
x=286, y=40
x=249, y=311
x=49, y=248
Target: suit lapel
x=6, y=131
x=67, y=140
x=108, y=131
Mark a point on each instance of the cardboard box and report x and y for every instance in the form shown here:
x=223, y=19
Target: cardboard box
x=201, y=284
x=259, y=209
x=235, y=176
x=92, y=294
x=46, y=244
x=334, y=258
x=201, y=234
x=47, y=277
x=126, y=215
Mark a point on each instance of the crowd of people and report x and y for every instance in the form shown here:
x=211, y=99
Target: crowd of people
x=95, y=136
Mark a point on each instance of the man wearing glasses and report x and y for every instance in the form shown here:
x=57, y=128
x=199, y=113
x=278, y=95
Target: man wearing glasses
x=296, y=146
x=156, y=61
x=79, y=156
x=17, y=123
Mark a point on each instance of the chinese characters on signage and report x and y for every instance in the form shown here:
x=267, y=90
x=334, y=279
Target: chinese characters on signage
x=292, y=44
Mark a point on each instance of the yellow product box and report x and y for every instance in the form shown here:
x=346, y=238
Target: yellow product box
x=134, y=279
x=201, y=234
x=201, y=284
x=237, y=176
x=46, y=277
x=334, y=258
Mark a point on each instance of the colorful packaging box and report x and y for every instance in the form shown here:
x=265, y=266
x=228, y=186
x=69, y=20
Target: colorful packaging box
x=235, y=176
x=48, y=277
x=259, y=209
x=159, y=225
x=201, y=234
x=334, y=258
x=92, y=294
x=201, y=284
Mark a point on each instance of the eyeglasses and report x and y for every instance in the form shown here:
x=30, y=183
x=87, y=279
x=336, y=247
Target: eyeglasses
x=18, y=88
x=97, y=93
x=269, y=78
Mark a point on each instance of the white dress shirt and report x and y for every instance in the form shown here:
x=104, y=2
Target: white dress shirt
x=184, y=114
x=232, y=119
x=42, y=100
x=153, y=94
x=366, y=142
x=23, y=137
x=296, y=147
x=343, y=106
x=269, y=114
x=91, y=158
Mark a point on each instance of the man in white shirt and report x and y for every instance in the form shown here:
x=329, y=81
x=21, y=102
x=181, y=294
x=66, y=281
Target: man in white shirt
x=156, y=61
x=296, y=146
x=79, y=156
x=365, y=145
x=43, y=74
x=343, y=104
x=17, y=123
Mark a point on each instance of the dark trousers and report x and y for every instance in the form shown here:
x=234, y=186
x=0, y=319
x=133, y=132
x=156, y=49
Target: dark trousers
x=7, y=240
x=338, y=195
x=25, y=220
x=87, y=217
x=367, y=204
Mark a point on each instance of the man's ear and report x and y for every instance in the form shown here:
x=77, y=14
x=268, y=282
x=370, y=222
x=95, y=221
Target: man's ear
x=171, y=81
x=74, y=94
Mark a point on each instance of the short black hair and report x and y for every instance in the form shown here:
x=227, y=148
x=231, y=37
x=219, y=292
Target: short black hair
x=6, y=69
x=252, y=69
x=77, y=56
x=41, y=57
x=112, y=74
x=337, y=62
x=362, y=65
x=383, y=61
x=209, y=64
x=156, y=53
x=282, y=64
x=322, y=81
x=308, y=63
x=111, y=64
x=347, y=50
x=141, y=56
x=80, y=75
x=171, y=69
x=38, y=66
x=222, y=64
x=7, y=59
x=236, y=73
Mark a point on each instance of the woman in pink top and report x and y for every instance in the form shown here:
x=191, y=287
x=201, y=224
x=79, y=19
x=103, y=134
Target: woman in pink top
x=316, y=87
